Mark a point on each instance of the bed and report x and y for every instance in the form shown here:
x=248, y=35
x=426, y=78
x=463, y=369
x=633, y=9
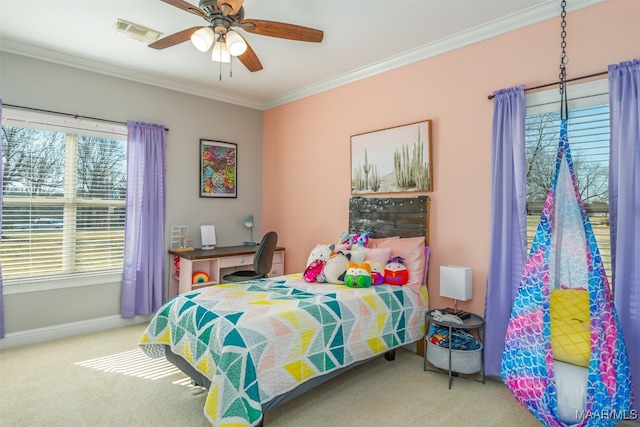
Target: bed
x=257, y=344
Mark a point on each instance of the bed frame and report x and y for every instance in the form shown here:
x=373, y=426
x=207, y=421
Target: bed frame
x=382, y=217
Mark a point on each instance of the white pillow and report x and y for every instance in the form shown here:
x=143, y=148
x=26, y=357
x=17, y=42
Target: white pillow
x=571, y=387
x=357, y=255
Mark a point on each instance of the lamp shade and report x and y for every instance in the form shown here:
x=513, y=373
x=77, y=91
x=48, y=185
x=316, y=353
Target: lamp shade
x=235, y=43
x=248, y=221
x=456, y=282
x=208, y=234
x=220, y=52
x=203, y=39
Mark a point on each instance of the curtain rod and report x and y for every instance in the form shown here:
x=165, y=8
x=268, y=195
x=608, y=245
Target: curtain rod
x=75, y=116
x=602, y=73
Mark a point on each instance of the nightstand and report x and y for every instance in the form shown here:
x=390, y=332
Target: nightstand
x=451, y=358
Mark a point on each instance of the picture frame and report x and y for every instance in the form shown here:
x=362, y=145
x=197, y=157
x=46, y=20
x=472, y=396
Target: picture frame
x=218, y=169
x=392, y=160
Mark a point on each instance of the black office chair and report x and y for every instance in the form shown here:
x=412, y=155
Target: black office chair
x=262, y=261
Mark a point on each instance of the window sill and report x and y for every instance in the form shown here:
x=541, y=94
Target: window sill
x=22, y=286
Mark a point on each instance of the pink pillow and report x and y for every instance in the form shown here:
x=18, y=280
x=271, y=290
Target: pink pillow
x=380, y=255
x=413, y=251
x=379, y=243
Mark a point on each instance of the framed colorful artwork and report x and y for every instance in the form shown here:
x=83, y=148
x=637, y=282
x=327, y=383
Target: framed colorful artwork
x=218, y=169
x=393, y=160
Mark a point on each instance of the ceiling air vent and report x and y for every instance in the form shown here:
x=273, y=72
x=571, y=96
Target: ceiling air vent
x=136, y=32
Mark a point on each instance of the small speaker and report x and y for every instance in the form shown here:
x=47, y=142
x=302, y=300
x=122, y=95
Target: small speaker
x=208, y=235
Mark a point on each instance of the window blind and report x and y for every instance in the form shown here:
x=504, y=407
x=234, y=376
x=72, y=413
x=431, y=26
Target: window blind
x=64, y=184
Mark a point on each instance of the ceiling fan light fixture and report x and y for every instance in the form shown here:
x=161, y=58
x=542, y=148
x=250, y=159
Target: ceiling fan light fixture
x=220, y=52
x=230, y=7
x=203, y=39
x=235, y=43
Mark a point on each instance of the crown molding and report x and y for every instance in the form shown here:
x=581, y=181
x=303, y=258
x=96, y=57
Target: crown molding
x=486, y=31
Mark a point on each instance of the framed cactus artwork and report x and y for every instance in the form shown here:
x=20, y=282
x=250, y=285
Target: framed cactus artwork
x=218, y=169
x=393, y=160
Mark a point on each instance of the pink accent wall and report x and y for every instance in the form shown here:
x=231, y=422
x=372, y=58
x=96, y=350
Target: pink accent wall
x=306, y=187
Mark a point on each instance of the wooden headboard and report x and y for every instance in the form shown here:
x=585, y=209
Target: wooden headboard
x=391, y=216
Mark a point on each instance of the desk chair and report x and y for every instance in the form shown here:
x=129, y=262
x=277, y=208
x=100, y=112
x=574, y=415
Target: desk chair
x=262, y=261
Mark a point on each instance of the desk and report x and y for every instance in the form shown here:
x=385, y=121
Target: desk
x=213, y=262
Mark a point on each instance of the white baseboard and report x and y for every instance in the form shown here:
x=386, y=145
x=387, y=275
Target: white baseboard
x=49, y=333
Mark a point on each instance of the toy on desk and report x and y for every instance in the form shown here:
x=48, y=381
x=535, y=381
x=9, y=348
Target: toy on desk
x=176, y=263
x=180, y=241
x=199, y=277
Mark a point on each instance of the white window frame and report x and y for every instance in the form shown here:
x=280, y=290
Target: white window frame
x=53, y=122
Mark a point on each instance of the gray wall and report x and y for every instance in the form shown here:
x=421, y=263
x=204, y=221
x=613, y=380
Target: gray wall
x=37, y=84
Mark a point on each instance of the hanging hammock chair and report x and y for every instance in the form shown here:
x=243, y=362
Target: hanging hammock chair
x=565, y=255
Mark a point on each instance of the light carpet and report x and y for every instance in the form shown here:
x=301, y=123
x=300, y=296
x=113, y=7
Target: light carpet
x=102, y=379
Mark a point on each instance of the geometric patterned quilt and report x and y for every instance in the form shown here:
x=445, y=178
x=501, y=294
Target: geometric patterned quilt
x=257, y=340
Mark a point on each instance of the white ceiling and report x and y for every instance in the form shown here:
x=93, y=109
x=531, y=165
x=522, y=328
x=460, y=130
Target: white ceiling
x=361, y=38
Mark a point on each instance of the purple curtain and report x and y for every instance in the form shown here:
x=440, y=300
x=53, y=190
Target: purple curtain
x=2, y=187
x=508, y=245
x=624, y=205
x=144, y=251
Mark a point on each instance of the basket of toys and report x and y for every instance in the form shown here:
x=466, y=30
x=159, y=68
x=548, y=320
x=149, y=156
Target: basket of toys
x=466, y=350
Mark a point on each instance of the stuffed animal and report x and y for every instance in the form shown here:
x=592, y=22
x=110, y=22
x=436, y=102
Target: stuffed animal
x=377, y=272
x=395, y=272
x=315, y=271
x=336, y=267
x=354, y=240
x=358, y=276
x=321, y=252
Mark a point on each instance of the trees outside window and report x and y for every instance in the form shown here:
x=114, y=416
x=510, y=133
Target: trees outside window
x=588, y=133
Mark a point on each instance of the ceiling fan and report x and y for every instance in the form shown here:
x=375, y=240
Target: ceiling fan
x=223, y=16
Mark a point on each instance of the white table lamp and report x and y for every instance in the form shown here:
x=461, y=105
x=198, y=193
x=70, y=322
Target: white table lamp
x=208, y=234
x=248, y=222
x=457, y=283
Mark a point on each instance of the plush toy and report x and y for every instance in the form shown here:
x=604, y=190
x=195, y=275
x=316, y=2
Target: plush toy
x=315, y=271
x=354, y=240
x=321, y=252
x=395, y=272
x=377, y=272
x=336, y=267
x=358, y=276
x=176, y=263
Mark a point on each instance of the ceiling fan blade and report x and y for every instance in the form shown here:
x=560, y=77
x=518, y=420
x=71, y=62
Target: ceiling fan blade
x=181, y=4
x=174, y=39
x=282, y=30
x=250, y=60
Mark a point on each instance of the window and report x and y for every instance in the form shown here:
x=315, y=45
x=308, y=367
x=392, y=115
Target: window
x=588, y=131
x=63, y=206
